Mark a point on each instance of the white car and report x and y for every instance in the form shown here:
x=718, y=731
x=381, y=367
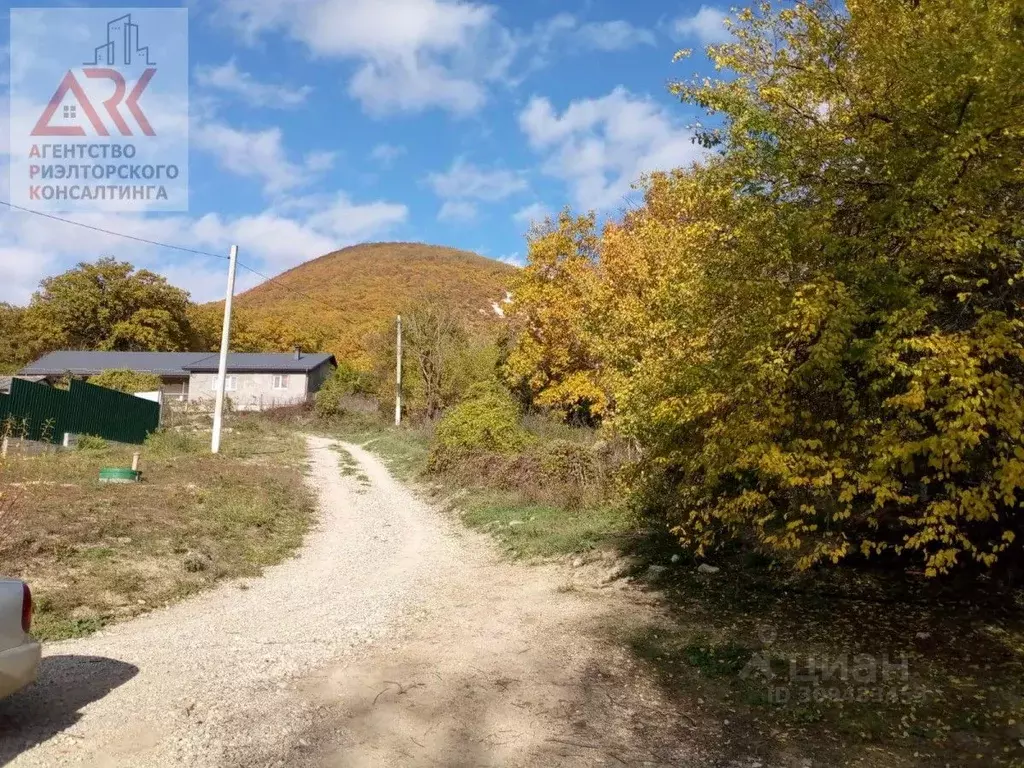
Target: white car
x=19, y=652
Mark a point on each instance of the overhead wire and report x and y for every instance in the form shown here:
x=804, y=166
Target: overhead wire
x=160, y=244
x=82, y=224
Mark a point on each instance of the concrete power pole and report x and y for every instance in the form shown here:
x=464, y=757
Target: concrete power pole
x=225, y=339
x=398, y=376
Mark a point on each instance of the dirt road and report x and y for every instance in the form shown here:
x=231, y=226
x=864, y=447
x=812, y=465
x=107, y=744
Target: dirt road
x=395, y=638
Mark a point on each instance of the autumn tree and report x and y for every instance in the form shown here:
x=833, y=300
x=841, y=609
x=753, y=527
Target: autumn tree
x=251, y=332
x=442, y=358
x=108, y=305
x=345, y=381
x=432, y=336
x=880, y=154
x=816, y=335
x=205, y=322
x=14, y=351
x=124, y=380
x=275, y=334
x=552, y=313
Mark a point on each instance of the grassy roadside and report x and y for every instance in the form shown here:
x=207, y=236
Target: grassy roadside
x=97, y=553
x=526, y=528
x=539, y=531
x=837, y=666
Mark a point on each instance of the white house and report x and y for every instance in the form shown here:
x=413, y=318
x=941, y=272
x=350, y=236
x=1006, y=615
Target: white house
x=254, y=381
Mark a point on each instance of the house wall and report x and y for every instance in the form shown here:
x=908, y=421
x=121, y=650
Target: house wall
x=174, y=388
x=318, y=377
x=253, y=391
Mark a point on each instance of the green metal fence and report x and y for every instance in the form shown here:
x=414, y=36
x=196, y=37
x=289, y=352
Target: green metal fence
x=38, y=412
x=111, y=414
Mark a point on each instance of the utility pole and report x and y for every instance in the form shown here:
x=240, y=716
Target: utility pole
x=225, y=338
x=398, y=376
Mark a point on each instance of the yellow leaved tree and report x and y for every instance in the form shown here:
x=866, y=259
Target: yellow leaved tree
x=552, y=314
x=816, y=335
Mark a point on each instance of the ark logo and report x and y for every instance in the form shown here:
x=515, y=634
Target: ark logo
x=121, y=49
x=98, y=107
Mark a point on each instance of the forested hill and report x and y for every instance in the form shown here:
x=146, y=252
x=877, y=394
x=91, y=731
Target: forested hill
x=349, y=293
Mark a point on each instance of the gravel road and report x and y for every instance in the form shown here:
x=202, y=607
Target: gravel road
x=207, y=681
x=394, y=638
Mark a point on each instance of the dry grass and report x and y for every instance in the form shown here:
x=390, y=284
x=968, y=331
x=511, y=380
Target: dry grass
x=10, y=514
x=96, y=553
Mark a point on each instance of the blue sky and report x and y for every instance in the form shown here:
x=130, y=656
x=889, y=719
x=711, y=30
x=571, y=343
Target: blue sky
x=315, y=124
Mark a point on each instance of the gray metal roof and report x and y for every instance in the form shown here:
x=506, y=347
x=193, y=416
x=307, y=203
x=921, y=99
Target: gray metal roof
x=5, y=383
x=82, y=363
x=91, y=363
x=254, y=362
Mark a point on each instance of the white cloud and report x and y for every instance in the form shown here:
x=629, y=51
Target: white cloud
x=387, y=154
x=457, y=210
x=513, y=260
x=21, y=269
x=542, y=38
x=469, y=182
x=534, y=212
x=387, y=87
x=563, y=32
x=319, y=161
x=368, y=28
x=227, y=77
x=282, y=240
x=413, y=54
x=32, y=247
x=599, y=147
x=296, y=230
x=614, y=35
x=707, y=25
x=259, y=155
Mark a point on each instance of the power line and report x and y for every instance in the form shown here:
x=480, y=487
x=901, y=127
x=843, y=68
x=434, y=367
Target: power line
x=279, y=284
x=159, y=244
x=14, y=207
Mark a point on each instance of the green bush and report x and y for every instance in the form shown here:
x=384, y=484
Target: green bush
x=91, y=443
x=345, y=381
x=487, y=420
x=571, y=463
x=124, y=380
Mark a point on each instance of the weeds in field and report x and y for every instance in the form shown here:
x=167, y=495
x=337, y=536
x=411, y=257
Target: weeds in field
x=9, y=508
x=91, y=443
x=165, y=444
x=14, y=427
x=107, y=552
